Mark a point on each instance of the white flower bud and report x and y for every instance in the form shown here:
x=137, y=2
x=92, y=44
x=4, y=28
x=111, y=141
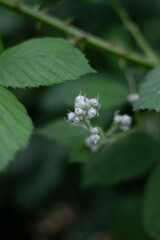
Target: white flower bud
x=126, y=120
x=133, y=97
x=88, y=142
x=79, y=111
x=94, y=148
x=117, y=119
x=94, y=102
x=94, y=139
x=71, y=116
x=92, y=113
x=125, y=128
x=94, y=131
x=76, y=120
x=79, y=98
x=83, y=104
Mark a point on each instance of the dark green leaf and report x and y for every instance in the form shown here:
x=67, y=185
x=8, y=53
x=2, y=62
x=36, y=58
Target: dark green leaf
x=111, y=93
x=151, y=215
x=15, y=127
x=150, y=92
x=80, y=154
x=43, y=61
x=64, y=133
x=131, y=157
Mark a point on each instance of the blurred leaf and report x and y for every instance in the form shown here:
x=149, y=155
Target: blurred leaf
x=10, y=23
x=150, y=91
x=111, y=93
x=64, y=133
x=80, y=154
x=37, y=173
x=126, y=219
x=151, y=215
x=15, y=127
x=43, y=61
x=131, y=157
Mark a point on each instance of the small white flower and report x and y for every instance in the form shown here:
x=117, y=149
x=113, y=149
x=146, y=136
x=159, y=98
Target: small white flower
x=94, y=131
x=133, y=97
x=79, y=112
x=117, y=119
x=92, y=113
x=71, y=116
x=94, y=139
x=94, y=102
x=126, y=120
x=76, y=120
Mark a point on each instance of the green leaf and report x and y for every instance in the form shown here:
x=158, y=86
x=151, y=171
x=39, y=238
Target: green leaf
x=151, y=214
x=64, y=133
x=15, y=127
x=126, y=217
x=150, y=92
x=37, y=173
x=80, y=154
x=43, y=61
x=131, y=157
x=111, y=93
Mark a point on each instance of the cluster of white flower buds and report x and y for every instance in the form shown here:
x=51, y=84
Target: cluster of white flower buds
x=93, y=140
x=123, y=121
x=84, y=109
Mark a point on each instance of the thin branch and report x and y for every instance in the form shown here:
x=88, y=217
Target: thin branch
x=89, y=39
x=134, y=30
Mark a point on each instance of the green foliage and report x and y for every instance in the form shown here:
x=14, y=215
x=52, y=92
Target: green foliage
x=128, y=158
x=63, y=133
x=150, y=91
x=126, y=219
x=43, y=61
x=15, y=127
x=96, y=85
x=45, y=172
x=151, y=208
x=80, y=154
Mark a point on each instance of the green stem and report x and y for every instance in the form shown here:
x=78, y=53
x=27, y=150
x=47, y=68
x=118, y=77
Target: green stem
x=129, y=77
x=89, y=39
x=133, y=29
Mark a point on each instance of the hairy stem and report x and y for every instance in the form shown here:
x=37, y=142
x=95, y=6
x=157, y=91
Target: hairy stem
x=134, y=30
x=89, y=39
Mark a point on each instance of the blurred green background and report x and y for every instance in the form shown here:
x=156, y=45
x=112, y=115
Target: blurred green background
x=41, y=192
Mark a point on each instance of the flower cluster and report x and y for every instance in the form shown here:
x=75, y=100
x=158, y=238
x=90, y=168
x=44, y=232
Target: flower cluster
x=84, y=109
x=123, y=121
x=93, y=140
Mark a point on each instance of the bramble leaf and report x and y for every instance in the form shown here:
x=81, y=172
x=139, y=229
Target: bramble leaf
x=128, y=158
x=15, y=127
x=42, y=62
x=151, y=214
x=150, y=92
